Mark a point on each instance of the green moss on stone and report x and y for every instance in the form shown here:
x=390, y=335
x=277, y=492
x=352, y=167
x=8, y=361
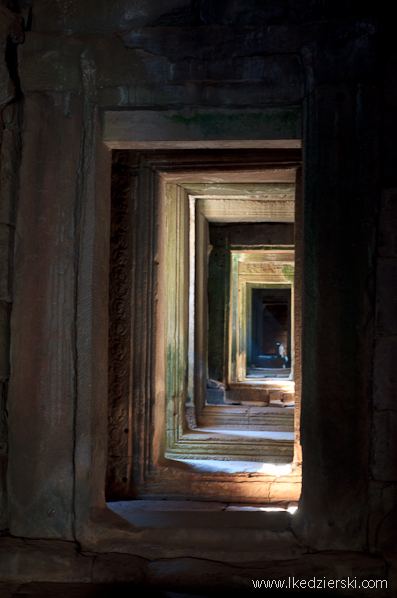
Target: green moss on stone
x=289, y=273
x=214, y=124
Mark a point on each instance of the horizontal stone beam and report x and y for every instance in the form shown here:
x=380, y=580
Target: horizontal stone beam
x=200, y=42
x=142, y=129
x=246, y=210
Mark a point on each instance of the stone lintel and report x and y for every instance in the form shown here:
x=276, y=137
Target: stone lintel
x=203, y=128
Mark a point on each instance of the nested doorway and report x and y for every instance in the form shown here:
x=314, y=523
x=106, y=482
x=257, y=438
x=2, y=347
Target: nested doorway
x=161, y=392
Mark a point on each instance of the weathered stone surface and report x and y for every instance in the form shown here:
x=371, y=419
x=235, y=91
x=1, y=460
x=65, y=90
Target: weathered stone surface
x=42, y=389
x=338, y=311
x=215, y=397
x=384, y=462
x=5, y=311
x=120, y=568
x=390, y=98
x=43, y=64
x=388, y=224
x=386, y=300
x=285, y=491
x=139, y=78
x=9, y=589
x=193, y=573
x=117, y=477
x=385, y=520
x=385, y=373
x=3, y=490
x=42, y=560
x=356, y=59
x=246, y=210
x=6, y=261
x=92, y=321
x=107, y=15
x=251, y=12
x=131, y=506
x=3, y=456
x=10, y=30
x=119, y=407
x=220, y=536
x=206, y=124
x=236, y=395
x=383, y=497
x=341, y=189
x=71, y=590
x=202, y=124
x=199, y=43
x=9, y=172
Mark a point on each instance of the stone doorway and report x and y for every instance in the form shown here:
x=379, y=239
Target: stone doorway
x=154, y=392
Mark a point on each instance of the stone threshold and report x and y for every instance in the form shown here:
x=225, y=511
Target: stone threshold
x=235, y=434
x=234, y=444
x=125, y=508
x=243, y=536
x=248, y=417
x=234, y=467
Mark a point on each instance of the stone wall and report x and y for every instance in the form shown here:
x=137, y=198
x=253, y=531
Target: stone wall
x=211, y=70
x=11, y=116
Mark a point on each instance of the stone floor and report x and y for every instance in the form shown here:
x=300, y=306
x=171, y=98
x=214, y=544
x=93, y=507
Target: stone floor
x=114, y=590
x=127, y=508
x=87, y=590
x=239, y=434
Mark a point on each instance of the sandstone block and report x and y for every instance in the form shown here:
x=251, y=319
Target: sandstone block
x=10, y=157
x=389, y=147
x=384, y=461
x=386, y=282
x=388, y=224
x=332, y=565
x=42, y=560
x=385, y=373
x=5, y=311
x=3, y=488
x=382, y=501
x=93, y=16
x=285, y=491
x=109, y=568
x=354, y=58
x=6, y=261
x=247, y=12
x=200, y=44
x=215, y=396
x=206, y=123
x=42, y=388
x=236, y=395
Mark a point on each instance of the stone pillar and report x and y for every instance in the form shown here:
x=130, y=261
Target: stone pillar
x=340, y=190
x=58, y=360
x=383, y=518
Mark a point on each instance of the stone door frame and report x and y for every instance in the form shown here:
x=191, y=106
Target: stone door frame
x=72, y=505
x=162, y=210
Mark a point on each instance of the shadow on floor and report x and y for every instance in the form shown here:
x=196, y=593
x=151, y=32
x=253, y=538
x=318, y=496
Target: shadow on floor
x=115, y=590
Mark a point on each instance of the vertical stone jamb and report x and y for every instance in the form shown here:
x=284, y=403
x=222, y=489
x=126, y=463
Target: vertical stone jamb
x=341, y=177
x=92, y=322
x=11, y=30
x=42, y=390
x=143, y=329
x=298, y=295
x=201, y=310
x=124, y=191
